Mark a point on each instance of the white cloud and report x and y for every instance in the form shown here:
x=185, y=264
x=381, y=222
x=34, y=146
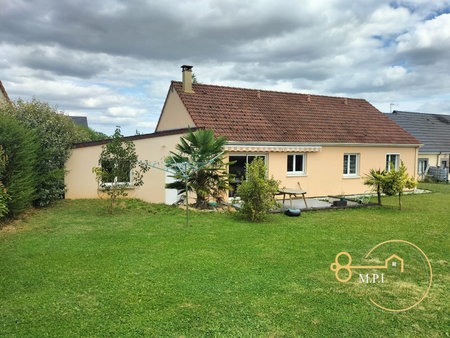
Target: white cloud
x=113, y=61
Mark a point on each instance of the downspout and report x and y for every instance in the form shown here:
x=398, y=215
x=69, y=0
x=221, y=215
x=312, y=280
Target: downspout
x=416, y=164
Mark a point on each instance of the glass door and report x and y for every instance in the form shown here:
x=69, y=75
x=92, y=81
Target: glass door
x=238, y=168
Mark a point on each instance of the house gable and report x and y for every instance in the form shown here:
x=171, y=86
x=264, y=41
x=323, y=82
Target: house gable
x=3, y=94
x=174, y=114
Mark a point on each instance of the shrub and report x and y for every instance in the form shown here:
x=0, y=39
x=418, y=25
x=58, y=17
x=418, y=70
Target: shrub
x=20, y=149
x=257, y=192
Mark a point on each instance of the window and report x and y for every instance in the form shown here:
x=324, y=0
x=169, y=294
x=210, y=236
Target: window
x=351, y=164
x=238, y=168
x=444, y=163
x=296, y=164
x=117, y=173
x=394, y=159
x=423, y=165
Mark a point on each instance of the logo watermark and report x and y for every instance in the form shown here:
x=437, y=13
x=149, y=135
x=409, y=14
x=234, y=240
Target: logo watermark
x=343, y=271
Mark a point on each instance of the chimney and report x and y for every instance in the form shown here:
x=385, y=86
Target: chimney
x=345, y=101
x=309, y=98
x=187, y=78
x=258, y=94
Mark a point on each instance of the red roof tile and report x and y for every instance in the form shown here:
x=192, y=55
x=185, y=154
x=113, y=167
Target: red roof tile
x=267, y=116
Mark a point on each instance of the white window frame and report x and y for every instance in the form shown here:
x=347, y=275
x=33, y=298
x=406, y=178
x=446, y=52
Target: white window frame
x=397, y=162
x=356, y=173
x=422, y=160
x=115, y=183
x=296, y=172
x=444, y=160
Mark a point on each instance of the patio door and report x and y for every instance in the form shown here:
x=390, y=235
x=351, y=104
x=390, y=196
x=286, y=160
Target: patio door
x=238, y=168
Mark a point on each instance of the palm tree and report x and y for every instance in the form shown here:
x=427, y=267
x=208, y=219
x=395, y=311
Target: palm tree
x=199, y=157
x=375, y=178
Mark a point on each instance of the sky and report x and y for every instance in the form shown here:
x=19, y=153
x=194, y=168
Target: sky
x=113, y=61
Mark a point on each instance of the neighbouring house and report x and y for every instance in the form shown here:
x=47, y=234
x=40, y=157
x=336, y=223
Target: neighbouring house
x=322, y=144
x=80, y=120
x=433, y=130
x=3, y=94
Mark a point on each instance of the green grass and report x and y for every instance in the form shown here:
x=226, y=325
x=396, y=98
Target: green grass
x=73, y=270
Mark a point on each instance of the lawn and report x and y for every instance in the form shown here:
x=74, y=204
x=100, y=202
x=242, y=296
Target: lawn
x=73, y=270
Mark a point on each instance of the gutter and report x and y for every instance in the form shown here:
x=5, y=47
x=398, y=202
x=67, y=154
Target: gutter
x=318, y=144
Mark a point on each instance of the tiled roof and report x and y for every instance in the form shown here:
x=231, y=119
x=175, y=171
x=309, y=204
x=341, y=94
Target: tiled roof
x=266, y=116
x=433, y=130
x=135, y=137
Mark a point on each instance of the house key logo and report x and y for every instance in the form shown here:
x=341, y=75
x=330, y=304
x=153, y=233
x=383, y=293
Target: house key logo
x=343, y=267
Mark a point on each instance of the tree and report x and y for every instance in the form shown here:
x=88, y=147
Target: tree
x=86, y=134
x=257, y=192
x=17, y=174
x=200, y=148
x=375, y=178
x=396, y=181
x=119, y=168
x=55, y=136
x=4, y=197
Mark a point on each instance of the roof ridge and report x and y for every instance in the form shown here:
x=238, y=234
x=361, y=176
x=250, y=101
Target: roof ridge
x=416, y=112
x=272, y=91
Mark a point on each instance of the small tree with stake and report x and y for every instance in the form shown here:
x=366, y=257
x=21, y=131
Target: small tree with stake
x=119, y=168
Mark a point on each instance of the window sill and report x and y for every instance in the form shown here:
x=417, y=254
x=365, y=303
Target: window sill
x=296, y=174
x=125, y=185
x=351, y=176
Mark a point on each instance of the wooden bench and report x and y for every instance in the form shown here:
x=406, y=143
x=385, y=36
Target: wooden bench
x=292, y=193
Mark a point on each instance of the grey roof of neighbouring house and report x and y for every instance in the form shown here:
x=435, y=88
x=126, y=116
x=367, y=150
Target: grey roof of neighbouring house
x=80, y=120
x=433, y=130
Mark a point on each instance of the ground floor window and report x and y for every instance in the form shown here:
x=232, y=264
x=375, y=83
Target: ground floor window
x=394, y=159
x=444, y=163
x=423, y=165
x=296, y=164
x=238, y=168
x=121, y=176
x=351, y=164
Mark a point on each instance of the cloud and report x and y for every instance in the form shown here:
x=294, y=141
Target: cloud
x=428, y=42
x=113, y=60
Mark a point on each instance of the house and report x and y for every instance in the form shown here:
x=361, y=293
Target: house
x=322, y=144
x=3, y=94
x=80, y=120
x=433, y=131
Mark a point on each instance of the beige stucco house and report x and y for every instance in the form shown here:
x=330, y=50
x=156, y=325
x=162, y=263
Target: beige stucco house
x=321, y=144
x=3, y=95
